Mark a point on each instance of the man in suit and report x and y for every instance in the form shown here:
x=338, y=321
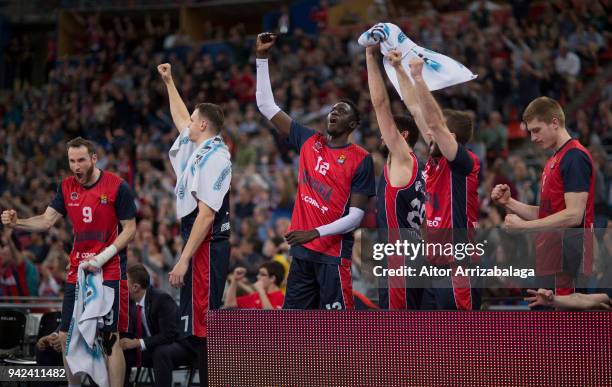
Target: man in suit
x=153, y=324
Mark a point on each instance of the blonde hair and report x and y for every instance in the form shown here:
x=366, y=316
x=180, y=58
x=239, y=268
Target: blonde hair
x=544, y=109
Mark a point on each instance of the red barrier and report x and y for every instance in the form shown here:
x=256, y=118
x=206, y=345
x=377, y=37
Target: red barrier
x=325, y=348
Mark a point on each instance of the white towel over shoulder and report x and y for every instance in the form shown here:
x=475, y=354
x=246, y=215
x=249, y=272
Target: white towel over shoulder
x=439, y=71
x=93, y=302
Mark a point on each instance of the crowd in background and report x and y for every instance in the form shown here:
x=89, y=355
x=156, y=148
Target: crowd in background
x=112, y=94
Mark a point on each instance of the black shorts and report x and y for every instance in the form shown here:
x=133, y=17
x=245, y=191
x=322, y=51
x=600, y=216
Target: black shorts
x=315, y=285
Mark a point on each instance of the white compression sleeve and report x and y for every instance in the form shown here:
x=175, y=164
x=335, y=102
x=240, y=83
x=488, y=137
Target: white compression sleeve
x=106, y=254
x=347, y=223
x=263, y=95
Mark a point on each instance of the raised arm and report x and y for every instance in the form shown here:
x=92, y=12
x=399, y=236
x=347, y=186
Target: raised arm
x=230, y=296
x=409, y=96
x=36, y=223
x=433, y=114
x=397, y=145
x=180, y=114
x=264, y=96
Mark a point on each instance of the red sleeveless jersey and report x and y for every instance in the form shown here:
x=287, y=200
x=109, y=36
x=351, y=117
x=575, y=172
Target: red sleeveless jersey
x=567, y=171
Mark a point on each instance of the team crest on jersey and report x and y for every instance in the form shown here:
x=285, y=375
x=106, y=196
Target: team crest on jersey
x=74, y=196
x=341, y=159
x=103, y=199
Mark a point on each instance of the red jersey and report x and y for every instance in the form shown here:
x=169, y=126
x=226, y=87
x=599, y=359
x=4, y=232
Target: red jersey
x=253, y=301
x=452, y=191
x=327, y=178
x=452, y=199
x=95, y=212
x=570, y=169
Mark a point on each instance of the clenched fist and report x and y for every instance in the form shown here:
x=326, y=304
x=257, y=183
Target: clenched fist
x=501, y=194
x=395, y=57
x=265, y=40
x=416, y=68
x=165, y=70
x=9, y=218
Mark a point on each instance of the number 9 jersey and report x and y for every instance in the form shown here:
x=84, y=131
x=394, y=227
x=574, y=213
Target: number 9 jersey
x=95, y=212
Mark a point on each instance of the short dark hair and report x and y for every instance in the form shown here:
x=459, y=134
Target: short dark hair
x=354, y=108
x=139, y=274
x=274, y=269
x=79, y=142
x=460, y=123
x=407, y=123
x=213, y=113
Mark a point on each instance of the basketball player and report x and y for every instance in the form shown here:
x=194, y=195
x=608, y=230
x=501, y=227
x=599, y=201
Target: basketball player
x=566, y=199
x=400, y=197
x=335, y=181
x=203, y=168
x=96, y=202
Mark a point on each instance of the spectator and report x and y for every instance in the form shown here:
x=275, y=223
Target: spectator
x=264, y=294
x=567, y=65
x=18, y=275
x=90, y=93
x=157, y=314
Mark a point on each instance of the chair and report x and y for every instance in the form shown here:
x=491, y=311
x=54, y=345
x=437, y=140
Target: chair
x=13, y=328
x=48, y=323
x=144, y=376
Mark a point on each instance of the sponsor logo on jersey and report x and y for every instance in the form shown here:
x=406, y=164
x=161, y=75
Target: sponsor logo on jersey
x=434, y=223
x=104, y=199
x=74, y=196
x=317, y=146
x=313, y=202
x=319, y=187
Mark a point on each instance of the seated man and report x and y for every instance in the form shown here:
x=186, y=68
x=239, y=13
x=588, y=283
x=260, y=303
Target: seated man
x=153, y=324
x=49, y=354
x=265, y=293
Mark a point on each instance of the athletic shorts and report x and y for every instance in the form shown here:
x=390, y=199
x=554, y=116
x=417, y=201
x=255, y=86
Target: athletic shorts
x=315, y=285
x=451, y=293
x=117, y=320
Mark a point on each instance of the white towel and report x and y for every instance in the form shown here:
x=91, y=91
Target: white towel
x=93, y=301
x=439, y=71
x=203, y=173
